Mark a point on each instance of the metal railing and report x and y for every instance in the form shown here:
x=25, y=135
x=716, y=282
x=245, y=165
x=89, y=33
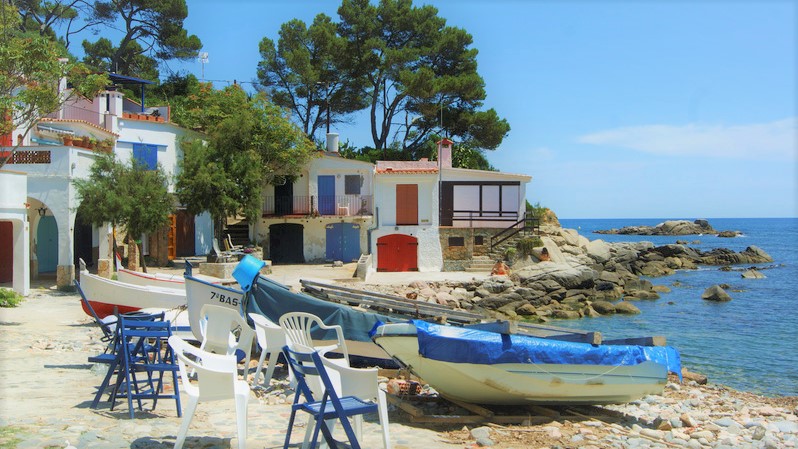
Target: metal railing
x=324, y=205
x=528, y=224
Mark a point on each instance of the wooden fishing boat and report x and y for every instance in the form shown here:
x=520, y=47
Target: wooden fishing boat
x=200, y=291
x=482, y=367
x=155, y=279
x=105, y=295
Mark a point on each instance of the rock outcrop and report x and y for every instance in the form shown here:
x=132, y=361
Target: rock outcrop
x=672, y=227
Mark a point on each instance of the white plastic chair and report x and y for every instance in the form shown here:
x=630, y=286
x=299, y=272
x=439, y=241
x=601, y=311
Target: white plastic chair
x=363, y=384
x=217, y=379
x=297, y=326
x=224, y=331
x=271, y=339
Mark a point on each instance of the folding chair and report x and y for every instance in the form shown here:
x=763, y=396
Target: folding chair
x=306, y=363
x=144, y=349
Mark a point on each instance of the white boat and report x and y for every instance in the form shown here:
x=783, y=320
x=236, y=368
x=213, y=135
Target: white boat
x=156, y=279
x=107, y=294
x=200, y=292
x=491, y=368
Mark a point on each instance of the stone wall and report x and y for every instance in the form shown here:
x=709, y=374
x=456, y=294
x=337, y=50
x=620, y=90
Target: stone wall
x=461, y=245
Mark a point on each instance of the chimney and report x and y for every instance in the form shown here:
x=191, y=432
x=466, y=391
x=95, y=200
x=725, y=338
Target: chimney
x=445, y=153
x=332, y=142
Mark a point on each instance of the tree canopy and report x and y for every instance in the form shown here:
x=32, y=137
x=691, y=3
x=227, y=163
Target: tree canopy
x=250, y=143
x=416, y=76
x=306, y=73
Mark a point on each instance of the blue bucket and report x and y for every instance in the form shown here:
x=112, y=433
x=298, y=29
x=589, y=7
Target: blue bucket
x=247, y=271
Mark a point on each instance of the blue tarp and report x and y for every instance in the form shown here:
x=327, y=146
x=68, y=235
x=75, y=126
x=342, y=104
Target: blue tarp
x=463, y=345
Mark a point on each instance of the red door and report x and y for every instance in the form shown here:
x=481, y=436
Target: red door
x=6, y=251
x=397, y=252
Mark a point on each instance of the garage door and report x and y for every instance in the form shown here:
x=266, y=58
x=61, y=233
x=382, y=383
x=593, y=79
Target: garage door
x=343, y=242
x=285, y=243
x=397, y=252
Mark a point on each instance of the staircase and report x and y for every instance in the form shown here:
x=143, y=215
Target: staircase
x=508, y=238
x=239, y=233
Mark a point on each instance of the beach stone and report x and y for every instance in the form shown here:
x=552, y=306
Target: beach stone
x=626, y=308
x=752, y=274
x=786, y=426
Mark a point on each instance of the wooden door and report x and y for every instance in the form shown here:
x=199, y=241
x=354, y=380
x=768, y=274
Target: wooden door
x=397, y=252
x=407, y=204
x=284, y=199
x=6, y=251
x=47, y=244
x=343, y=242
x=185, y=234
x=286, y=243
x=327, y=194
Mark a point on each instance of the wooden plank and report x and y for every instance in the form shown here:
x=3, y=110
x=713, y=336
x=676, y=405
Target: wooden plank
x=481, y=411
x=543, y=411
x=639, y=341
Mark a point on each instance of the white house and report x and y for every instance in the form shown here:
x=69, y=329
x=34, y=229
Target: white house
x=52, y=158
x=14, y=229
x=323, y=214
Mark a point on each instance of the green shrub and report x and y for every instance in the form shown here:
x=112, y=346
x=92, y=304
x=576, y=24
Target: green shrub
x=509, y=254
x=526, y=244
x=9, y=298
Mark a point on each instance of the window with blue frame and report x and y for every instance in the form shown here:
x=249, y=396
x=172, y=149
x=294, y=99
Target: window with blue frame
x=146, y=155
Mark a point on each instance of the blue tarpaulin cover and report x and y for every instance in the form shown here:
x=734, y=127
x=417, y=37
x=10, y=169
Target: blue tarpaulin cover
x=463, y=345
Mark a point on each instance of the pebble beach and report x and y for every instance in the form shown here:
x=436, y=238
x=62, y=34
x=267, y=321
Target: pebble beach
x=46, y=387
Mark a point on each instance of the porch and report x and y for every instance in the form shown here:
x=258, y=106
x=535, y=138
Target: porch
x=314, y=205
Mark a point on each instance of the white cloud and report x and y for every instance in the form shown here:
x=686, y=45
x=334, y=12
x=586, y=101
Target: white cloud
x=774, y=140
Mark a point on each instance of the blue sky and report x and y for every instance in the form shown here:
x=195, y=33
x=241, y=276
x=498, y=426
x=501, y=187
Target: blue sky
x=618, y=109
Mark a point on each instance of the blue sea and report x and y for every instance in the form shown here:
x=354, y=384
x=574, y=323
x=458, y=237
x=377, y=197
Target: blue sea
x=749, y=343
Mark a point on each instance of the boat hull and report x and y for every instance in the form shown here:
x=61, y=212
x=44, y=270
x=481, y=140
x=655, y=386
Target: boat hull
x=525, y=383
x=155, y=279
x=107, y=294
x=200, y=292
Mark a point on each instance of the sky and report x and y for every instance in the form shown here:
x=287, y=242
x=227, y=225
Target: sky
x=618, y=109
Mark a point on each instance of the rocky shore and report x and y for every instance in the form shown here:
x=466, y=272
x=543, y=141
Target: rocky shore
x=582, y=278
x=672, y=227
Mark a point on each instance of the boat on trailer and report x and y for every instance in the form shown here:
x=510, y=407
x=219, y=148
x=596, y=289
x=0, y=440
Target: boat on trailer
x=483, y=367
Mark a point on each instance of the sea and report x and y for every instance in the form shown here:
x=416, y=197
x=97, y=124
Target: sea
x=749, y=343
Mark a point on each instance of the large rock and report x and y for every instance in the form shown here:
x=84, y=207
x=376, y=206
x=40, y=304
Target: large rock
x=670, y=227
x=716, y=293
x=752, y=274
x=603, y=307
x=599, y=251
x=626, y=308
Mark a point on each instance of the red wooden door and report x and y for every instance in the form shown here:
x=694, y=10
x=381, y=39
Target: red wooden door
x=407, y=204
x=6, y=251
x=397, y=252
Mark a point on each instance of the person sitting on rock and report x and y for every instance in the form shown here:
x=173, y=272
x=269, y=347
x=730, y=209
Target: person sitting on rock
x=544, y=255
x=500, y=268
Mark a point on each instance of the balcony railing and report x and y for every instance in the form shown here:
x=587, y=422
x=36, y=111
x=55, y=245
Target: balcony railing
x=324, y=205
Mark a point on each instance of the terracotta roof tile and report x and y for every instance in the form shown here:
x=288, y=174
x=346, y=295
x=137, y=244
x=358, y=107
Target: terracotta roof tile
x=407, y=167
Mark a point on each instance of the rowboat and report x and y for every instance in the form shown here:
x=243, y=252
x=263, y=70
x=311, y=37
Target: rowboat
x=481, y=367
x=155, y=279
x=105, y=295
x=200, y=292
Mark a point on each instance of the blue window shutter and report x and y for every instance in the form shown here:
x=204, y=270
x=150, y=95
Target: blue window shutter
x=146, y=155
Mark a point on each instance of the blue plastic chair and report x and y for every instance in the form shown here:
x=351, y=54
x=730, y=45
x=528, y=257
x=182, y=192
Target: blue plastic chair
x=143, y=349
x=306, y=362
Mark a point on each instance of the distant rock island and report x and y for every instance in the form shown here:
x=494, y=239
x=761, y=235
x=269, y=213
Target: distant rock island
x=672, y=227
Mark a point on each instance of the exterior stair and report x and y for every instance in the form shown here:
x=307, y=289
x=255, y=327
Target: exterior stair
x=239, y=233
x=481, y=264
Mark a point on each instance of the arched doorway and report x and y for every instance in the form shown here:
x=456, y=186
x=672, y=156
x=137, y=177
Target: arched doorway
x=397, y=252
x=82, y=236
x=286, y=244
x=47, y=244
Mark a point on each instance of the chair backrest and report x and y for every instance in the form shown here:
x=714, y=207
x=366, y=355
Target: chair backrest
x=216, y=373
x=311, y=375
x=299, y=325
x=269, y=334
x=216, y=246
x=225, y=331
x=145, y=340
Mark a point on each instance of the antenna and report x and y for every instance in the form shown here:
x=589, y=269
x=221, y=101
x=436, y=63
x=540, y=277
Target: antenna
x=203, y=59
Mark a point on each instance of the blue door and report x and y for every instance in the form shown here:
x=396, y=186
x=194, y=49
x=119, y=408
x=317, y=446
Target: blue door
x=47, y=244
x=326, y=194
x=343, y=242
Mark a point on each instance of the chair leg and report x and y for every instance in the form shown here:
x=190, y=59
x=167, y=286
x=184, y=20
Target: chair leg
x=290, y=428
x=272, y=364
x=256, y=379
x=241, y=418
x=382, y=409
x=191, y=407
